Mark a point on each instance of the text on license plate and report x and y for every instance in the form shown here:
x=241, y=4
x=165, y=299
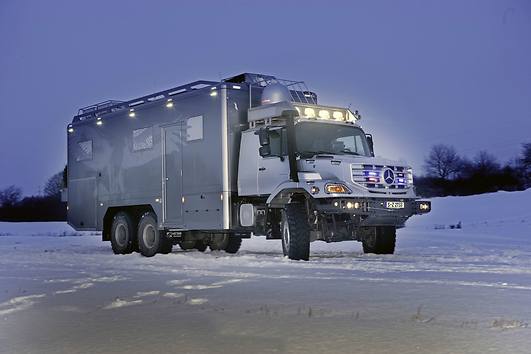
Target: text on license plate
x=395, y=205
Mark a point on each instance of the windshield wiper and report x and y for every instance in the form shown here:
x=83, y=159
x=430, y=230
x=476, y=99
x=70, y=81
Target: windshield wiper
x=308, y=153
x=351, y=153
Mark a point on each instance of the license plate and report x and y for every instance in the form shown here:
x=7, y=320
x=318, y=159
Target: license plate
x=395, y=205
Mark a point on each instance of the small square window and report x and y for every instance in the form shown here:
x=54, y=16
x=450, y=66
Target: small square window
x=84, y=150
x=194, y=128
x=142, y=139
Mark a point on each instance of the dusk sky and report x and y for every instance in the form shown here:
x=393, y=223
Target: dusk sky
x=419, y=72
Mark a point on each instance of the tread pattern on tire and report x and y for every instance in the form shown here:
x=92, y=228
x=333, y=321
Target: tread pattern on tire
x=299, y=247
x=385, y=241
x=125, y=218
x=161, y=245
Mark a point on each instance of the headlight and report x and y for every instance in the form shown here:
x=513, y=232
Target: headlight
x=336, y=188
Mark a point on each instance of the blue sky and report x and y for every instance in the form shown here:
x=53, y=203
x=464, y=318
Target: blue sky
x=420, y=72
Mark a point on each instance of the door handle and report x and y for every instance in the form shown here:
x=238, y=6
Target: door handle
x=262, y=169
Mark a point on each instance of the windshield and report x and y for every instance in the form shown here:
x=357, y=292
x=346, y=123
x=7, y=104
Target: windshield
x=321, y=138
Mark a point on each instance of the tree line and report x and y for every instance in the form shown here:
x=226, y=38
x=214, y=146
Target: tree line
x=448, y=173
x=46, y=207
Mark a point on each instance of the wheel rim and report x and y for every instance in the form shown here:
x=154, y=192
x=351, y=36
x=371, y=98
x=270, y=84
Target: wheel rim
x=285, y=232
x=149, y=236
x=121, y=235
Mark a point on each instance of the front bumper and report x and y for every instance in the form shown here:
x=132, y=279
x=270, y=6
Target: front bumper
x=374, y=211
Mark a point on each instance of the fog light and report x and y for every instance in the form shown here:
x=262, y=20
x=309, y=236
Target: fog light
x=336, y=204
x=314, y=190
x=424, y=206
x=353, y=205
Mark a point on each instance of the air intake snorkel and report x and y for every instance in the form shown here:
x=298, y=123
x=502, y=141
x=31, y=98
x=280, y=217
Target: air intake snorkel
x=290, y=115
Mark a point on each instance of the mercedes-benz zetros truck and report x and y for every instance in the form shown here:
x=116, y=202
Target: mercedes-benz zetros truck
x=209, y=163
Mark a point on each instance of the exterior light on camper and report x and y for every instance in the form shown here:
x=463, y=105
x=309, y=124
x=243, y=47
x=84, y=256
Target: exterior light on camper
x=169, y=103
x=214, y=93
x=98, y=121
x=132, y=113
x=70, y=129
x=237, y=87
x=338, y=115
x=324, y=114
x=309, y=112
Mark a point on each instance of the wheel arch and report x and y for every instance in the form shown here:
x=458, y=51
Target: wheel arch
x=286, y=193
x=134, y=211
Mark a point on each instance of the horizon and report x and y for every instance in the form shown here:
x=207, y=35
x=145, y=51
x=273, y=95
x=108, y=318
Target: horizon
x=456, y=73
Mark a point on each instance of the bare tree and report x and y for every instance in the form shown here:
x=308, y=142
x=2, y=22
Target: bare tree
x=54, y=185
x=10, y=196
x=485, y=163
x=442, y=162
x=526, y=156
x=524, y=164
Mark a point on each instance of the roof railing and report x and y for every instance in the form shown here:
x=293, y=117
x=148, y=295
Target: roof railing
x=109, y=106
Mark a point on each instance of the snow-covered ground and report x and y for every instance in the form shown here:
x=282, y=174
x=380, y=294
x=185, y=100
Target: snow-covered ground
x=444, y=291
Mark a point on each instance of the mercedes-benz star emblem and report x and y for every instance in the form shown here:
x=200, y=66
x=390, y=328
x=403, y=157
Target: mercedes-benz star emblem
x=389, y=176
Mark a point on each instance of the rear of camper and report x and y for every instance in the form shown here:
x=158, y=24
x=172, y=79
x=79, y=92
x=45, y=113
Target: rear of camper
x=173, y=154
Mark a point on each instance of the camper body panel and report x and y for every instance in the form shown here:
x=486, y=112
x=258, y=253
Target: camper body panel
x=166, y=158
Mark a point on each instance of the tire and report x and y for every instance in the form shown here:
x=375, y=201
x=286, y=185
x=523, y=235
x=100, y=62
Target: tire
x=122, y=233
x=295, y=232
x=166, y=246
x=150, y=241
x=382, y=242
x=233, y=244
x=200, y=245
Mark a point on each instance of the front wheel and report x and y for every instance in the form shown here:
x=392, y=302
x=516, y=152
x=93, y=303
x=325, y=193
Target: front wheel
x=295, y=231
x=382, y=241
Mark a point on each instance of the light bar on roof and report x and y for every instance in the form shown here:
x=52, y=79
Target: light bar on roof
x=309, y=111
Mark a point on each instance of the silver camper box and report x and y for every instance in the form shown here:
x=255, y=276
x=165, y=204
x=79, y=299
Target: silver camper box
x=174, y=152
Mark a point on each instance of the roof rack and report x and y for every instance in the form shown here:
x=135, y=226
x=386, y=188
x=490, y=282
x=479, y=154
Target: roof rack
x=109, y=106
x=298, y=89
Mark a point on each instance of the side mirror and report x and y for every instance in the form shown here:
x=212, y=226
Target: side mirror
x=265, y=151
x=371, y=143
x=263, y=137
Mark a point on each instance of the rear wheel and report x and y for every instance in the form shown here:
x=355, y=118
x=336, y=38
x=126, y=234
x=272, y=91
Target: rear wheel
x=233, y=244
x=295, y=232
x=150, y=240
x=200, y=245
x=122, y=233
x=382, y=241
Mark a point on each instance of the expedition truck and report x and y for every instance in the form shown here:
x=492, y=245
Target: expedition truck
x=209, y=163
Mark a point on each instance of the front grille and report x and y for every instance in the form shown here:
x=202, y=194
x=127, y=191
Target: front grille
x=382, y=177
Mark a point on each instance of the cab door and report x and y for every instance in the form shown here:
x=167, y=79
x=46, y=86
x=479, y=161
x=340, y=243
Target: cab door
x=274, y=169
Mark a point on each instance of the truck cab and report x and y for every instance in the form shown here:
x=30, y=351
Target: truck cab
x=312, y=171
